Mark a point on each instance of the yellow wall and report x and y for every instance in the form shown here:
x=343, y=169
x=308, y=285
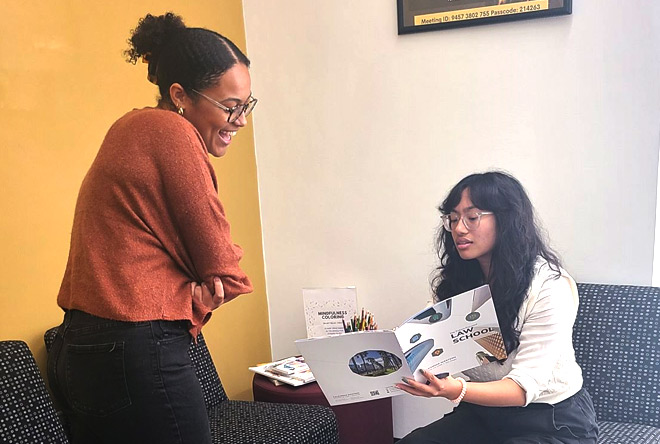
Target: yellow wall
x=63, y=81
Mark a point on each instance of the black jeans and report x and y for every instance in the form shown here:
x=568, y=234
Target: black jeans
x=127, y=382
x=572, y=421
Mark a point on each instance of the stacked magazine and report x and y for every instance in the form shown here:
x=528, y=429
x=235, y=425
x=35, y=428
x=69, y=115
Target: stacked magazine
x=293, y=371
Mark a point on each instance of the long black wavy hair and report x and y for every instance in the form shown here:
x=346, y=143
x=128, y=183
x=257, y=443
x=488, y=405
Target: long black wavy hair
x=518, y=244
x=193, y=57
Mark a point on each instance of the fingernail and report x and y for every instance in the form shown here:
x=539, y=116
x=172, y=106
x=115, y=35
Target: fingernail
x=216, y=280
x=404, y=379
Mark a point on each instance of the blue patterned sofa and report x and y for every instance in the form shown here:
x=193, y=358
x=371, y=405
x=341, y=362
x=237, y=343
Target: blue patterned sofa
x=617, y=344
x=247, y=422
x=244, y=422
x=27, y=414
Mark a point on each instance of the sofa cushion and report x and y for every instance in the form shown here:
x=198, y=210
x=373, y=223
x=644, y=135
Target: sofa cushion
x=200, y=357
x=27, y=414
x=627, y=433
x=271, y=423
x=616, y=337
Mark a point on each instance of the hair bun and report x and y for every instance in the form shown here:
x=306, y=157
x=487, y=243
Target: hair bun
x=151, y=33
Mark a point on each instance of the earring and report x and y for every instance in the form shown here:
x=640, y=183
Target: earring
x=180, y=110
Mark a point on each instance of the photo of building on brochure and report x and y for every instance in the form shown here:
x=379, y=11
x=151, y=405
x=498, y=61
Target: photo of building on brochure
x=449, y=337
x=374, y=363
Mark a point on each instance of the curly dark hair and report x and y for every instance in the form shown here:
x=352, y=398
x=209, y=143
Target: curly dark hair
x=518, y=244
x=193, y=57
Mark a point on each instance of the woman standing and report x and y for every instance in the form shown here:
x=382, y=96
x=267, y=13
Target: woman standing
x=151, y=254
x=489, y=235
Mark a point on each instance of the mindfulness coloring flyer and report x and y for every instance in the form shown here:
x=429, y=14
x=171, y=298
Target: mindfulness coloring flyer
x=326, y=308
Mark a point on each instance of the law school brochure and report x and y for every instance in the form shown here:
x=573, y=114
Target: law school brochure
x=449, y=337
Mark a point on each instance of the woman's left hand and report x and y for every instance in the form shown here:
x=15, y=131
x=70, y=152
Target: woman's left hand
x=447, y=387
x=204, y=295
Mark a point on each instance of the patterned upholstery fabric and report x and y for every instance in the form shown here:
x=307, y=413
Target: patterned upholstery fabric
x=27, y=414
x=214, y=393
x=245, y=422
x=617, y=340
x=49, y=337
x=625, y=432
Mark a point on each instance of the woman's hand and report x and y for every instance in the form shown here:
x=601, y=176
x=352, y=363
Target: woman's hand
x=447, y=387
x=204, y=295
x=502, y=393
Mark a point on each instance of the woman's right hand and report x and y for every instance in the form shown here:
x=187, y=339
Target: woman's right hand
x=203, y=295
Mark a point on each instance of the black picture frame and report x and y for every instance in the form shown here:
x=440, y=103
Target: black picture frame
x=448, y=14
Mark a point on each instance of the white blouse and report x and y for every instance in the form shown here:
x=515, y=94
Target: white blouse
x=544, y=363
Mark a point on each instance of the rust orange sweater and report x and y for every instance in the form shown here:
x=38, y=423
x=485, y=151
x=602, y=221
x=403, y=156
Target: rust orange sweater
x=147, y=223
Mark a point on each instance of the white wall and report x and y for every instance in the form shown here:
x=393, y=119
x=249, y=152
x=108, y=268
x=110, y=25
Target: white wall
x=361, y=132
x=656, y=251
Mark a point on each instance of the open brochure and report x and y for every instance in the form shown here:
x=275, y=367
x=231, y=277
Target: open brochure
x=293, y=371
x=449, y=337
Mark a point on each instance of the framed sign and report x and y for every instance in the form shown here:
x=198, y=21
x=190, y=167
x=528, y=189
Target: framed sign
x=429, y=15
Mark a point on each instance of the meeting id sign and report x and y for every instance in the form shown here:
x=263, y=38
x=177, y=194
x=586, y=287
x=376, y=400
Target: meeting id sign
x=427, y=15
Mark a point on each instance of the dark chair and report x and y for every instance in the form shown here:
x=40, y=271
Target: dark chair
x=617, y=341
x=247, y=422
x=27, y=414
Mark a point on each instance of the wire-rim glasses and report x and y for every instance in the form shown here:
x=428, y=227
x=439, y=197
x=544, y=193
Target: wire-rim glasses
x=471, y=220
x=235, y=111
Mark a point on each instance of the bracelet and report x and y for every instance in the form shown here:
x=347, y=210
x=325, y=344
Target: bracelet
x=463, y=390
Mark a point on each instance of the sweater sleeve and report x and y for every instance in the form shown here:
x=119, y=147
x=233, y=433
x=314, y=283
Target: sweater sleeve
x=546, y=331
x=202, y=242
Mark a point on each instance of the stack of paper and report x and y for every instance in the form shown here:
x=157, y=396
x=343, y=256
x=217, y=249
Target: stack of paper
x=293, y=371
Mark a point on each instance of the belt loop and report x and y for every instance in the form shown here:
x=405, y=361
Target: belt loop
x=67, y=321
x=156, y=330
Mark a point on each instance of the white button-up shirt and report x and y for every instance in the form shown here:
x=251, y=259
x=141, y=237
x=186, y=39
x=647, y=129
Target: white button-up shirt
x=544, y=362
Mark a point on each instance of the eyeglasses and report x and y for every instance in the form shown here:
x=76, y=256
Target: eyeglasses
x=235, y=111
x=471, y=220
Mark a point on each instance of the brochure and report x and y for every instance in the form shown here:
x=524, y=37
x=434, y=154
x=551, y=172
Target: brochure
x=293, y=371
x=449, y=337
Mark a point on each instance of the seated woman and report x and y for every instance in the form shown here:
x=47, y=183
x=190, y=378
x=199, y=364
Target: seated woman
x=489, y=235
